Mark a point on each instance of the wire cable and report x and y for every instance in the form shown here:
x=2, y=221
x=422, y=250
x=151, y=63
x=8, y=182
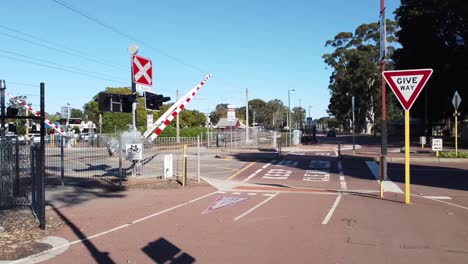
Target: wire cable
x=77, y=52
x=128, y=36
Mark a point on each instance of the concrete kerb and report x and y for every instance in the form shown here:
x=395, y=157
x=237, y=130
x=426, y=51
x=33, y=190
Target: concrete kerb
x=59, y=246
x=376, y=158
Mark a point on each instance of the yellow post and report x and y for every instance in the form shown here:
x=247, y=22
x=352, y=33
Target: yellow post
x=407, y=157
x=184, y=167
x=456, y=133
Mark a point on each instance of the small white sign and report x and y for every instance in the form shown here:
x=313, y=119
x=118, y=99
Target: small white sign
x=134, y=151
x=456, y=100
x=437, y=144
x=143, y=88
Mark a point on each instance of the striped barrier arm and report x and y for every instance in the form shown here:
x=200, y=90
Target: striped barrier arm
x=38, y=114
x=166, y=118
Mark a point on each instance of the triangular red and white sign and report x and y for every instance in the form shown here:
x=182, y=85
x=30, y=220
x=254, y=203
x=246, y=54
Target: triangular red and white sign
x=407, y=84
x=224, y=201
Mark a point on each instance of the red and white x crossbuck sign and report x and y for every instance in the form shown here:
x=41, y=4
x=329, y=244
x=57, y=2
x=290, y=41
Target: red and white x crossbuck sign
x=142, y=70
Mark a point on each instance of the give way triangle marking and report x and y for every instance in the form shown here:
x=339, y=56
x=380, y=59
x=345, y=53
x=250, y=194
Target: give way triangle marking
x=224, y=201
x=407, y=84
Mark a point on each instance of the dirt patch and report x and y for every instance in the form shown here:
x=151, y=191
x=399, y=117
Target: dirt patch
x=159, y=184
x=20, y=233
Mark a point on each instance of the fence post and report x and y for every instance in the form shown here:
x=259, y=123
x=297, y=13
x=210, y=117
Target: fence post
x=120, y=162
x=17, y=188
x=62, y=161
x=184, y=167
x=198, y=158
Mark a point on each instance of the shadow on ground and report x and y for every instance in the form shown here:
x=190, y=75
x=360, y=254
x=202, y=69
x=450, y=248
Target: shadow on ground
x=163, y=251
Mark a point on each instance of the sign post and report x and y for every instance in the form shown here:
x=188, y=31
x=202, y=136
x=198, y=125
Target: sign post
x=456, y=103
x=407, y=85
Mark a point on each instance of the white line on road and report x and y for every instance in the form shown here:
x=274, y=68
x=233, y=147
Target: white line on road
x=255, y=207
x=31, y=258
x=258, y=171
x=389, y=186
x=342, y=178
x=437, y=197
x=452, y=204
x=332, y=209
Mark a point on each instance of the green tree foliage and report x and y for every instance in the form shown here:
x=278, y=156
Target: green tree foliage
x=434, y=34
x=113, y=122
x=355, y=65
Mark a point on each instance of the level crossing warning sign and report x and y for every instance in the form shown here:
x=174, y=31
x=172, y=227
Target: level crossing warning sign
x=407, y=84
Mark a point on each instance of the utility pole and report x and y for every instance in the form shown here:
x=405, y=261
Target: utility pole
x=2, y=105
x=133, y=50
x=383, y=54
x=247, y=114
x=289, y=115
x=177, y=120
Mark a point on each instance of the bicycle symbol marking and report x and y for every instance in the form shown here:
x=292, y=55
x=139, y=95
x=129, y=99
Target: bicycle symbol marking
x=133, y=148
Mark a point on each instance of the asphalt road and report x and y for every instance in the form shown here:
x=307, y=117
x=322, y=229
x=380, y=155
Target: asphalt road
x=306, y=206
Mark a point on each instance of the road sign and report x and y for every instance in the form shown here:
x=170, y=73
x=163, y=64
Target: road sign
x=407, y=84
x=437, y=144
x=142, y=70
x=309, y=120
x=134, y=151
x=456, y=100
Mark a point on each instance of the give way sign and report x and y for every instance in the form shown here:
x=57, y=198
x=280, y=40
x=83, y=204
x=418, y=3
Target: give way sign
x=407, y=84
x=142, y=70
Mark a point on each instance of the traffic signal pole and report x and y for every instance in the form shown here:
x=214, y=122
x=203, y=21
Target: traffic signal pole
x=383, y=149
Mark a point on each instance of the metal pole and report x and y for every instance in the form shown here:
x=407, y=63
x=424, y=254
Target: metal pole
x=120, y=162
x=354, y=127
x=2, y=106
x=42, y=159
x=289, y=117
x=456, y=126
x=198, y=158
x=62, y=161
x=177, y=121
x=247, y=114
x=384, y=107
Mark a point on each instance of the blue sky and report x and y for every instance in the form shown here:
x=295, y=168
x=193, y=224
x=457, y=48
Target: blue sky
x=265, y=46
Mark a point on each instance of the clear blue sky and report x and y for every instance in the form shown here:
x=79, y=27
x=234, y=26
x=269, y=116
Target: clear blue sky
x=265, y=46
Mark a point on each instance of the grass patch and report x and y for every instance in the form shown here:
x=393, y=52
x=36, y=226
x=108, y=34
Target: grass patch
x=452, y=155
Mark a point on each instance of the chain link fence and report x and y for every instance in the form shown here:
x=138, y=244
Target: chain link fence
x=100, y=160
x=240, y=139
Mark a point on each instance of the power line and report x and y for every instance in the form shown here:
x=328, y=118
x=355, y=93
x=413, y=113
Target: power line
x=60, y=65
x=78, y=52
x=60, y=50
x=122, y=33
x=61, y=69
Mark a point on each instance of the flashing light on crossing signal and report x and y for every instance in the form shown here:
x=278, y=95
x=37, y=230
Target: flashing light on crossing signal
x=155, y=101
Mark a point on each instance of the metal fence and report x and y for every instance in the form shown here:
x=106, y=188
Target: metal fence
x=238, y=139
x=91, y=162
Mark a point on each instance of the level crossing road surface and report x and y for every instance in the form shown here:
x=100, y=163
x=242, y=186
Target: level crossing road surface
x=306, y=206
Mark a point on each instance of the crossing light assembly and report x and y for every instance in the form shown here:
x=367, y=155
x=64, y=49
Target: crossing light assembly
x=155, y=101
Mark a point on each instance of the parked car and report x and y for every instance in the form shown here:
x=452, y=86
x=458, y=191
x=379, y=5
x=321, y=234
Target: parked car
x=331, y=133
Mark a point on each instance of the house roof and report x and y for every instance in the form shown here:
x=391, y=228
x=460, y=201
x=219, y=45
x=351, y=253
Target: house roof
x=224, y=122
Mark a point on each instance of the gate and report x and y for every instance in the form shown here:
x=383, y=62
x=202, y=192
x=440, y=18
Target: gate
x=22, y=177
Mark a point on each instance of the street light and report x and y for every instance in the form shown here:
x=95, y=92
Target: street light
x=309, y=110
x=289, y=115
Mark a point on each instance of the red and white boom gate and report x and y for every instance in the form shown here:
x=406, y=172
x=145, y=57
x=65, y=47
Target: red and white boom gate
x=165, y=119
x=38, y=114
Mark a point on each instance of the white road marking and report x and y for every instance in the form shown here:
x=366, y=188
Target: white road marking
x=277, y=174
x=332, y=210
x=258, y=171
x=119, y=227
x=342, y=178
x=316, y=175
x=255, y=207
x=389, y=186
x=437, y=197
x=252, y=194
x=452, y=204
x=237, y=193
x=268, y=194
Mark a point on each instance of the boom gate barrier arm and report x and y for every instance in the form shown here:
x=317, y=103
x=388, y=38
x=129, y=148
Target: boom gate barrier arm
x=38, y=114
x=165, y=119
